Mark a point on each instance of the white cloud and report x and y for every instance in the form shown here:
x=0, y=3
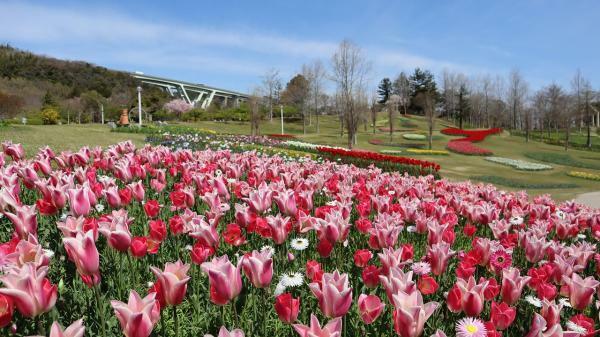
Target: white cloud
x=109, y=37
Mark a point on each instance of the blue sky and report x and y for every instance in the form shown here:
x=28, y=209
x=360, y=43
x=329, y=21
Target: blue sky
x=230, y=44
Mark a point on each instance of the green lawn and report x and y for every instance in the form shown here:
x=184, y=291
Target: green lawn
x=455, y=167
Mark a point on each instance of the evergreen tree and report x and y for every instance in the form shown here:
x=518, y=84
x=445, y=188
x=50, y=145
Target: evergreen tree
x=384, y=90
x=463, y=106
x=422, y=83
x=48, y=101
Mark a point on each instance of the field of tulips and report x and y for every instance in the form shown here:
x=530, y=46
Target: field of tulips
x=161, y=241
x=465, y=145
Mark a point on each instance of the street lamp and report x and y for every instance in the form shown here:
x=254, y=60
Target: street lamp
x=139, y=91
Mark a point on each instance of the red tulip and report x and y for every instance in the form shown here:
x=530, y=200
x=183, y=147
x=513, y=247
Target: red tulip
x=176, y=225
x=369, y=307
x=287, y=307
x=173, y=281
x=427, y=285
x=370, y=276
x=502, y=315
x=362, y=257
x=454, y=299
x=139, y=246
x=324, y=247
x=152, y=208
x=233, y=235
x=200, y=253
x=6, y=310
x=158, y=230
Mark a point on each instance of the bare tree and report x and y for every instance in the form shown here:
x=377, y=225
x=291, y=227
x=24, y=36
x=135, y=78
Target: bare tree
x=392, y=106
x=315, y=74
x=271, y=85
x=254, y=104
x=517, y=91
x=350, y=69
x=401, y=88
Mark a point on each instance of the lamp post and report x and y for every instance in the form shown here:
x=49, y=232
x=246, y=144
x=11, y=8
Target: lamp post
x=139, y=91
x=281, y=111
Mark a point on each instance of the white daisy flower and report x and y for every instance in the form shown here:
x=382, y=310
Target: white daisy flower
x=565, y=302
x=63, y=216
x=421, y=268
x=299, y=244
x=581, y=236
x=188, y=247
x=516, y=220
x=411, y=229
x=150, y=284
x=576, y=327
x=279, y=289
x=345, y=243
x=292, y=279
x=536, y=302
x=561, y=215
x=99, y=207
x=48, y=253
x=269, y=249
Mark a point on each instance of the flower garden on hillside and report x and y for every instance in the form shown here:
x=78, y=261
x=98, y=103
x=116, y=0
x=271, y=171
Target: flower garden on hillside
x=465, y=145
x=170, y=241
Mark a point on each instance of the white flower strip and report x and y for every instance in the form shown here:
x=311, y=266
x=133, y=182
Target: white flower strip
x=519, y=164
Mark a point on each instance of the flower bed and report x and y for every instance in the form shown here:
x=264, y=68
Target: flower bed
x=187, y=243
x=414, y=136
x=464, y=145
x=519, y=164
x=388, y=163
x=584, y=175
x=280, y=136
x=428, y=152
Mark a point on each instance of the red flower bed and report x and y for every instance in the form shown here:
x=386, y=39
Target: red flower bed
x=378, y=157
x=281, y=136
x=465, y=145
x=375, y=141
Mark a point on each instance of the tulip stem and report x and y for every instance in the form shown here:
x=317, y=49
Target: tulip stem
x=100, y=310
x=176, y=320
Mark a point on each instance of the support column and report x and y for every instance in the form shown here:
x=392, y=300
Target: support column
x=207, y=101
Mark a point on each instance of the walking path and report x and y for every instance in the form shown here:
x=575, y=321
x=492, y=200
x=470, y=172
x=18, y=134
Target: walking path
x=591, y=199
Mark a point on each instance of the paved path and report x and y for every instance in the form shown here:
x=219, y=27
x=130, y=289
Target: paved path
x=591, y=199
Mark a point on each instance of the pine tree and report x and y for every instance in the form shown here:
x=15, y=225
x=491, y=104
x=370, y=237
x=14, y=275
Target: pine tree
x=384, y=90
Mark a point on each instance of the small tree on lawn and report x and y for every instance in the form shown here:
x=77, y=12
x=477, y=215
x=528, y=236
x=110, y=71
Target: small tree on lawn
x=178, y=107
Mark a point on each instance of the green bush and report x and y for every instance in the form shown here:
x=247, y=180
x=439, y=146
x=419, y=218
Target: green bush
x=50, y=116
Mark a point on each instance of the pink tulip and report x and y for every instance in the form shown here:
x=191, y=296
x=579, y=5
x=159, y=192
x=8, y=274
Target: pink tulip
x=29, y=288
x=81, y=200
x=439, y=255
x=385, y=233
x=260, y=200
x=334, y=228
x=512, y=285
x=201, y=230
x=369, y=307
x=83, y=252
x=551, y=312
x=27, y=252
x=391, y=258
x=258, y=267
x=76, y=329
x=139, y=315
x=225, y=279
x=332, y=329
x=286, y=202
x=333, y=293
x=472, y=295
x=280, y=227
x=116, y=230
x=24, y=220
x=15, y=151
x=397, y=280
x=173, y=281
x=112, y=197
x=411, y=313
x=226, y=333
x=535, y=247
x=581, y=291
x=137, y=190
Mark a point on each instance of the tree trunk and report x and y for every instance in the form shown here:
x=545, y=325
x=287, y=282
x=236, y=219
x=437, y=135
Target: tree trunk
x=567, y=134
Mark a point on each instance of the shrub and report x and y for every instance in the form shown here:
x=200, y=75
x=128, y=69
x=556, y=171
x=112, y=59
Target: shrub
x=519, y=164
x=584, y=175
x=50, y=115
